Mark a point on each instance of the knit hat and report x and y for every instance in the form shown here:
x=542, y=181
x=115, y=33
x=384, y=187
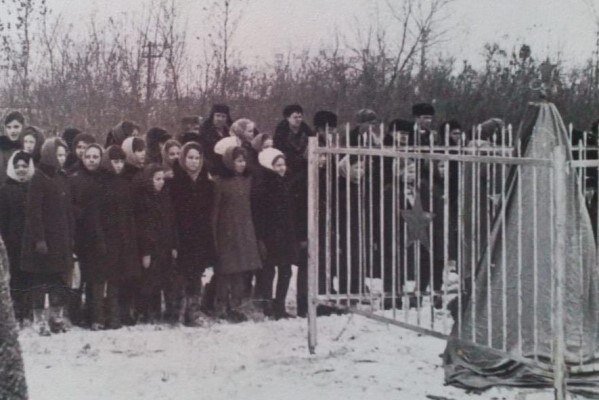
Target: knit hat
x=12, y=163
x=420, y=109
x=292, y=108
x=268, y=157
x=130, y=146
x=222, y=145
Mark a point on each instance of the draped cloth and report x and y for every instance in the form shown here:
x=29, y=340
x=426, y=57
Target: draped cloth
x=505, y=290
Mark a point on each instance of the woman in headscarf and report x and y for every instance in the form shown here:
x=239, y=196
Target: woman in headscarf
x=32, y=139
x=78, y=146
x=155, y=141
x=170, y=156
x=122, y=131
x=135, y=150
x=12, y=224
x=47, y=251
x=191, y=195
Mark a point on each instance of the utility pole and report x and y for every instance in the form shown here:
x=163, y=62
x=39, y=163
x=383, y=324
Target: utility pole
x=153, y=51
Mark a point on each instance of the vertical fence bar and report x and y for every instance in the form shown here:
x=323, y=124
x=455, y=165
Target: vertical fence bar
x=328, y=223
x=394, y=240
x=461, y=267
x=313, y=241
x=519, y=188
x=431, y=258
x=445, y=223
x=381, y=243
x=559, y=270
x=535, y=263
x=503, y=247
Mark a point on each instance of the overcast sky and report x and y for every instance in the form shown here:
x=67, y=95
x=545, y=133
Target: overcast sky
x=271, y=26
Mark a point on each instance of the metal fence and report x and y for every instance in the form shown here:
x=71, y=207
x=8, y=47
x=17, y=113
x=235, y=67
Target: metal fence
x=398, y=232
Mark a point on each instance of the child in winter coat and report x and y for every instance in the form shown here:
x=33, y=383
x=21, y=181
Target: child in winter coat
x=157, y=239
x=275, y=228
x=121, y=263
x=12, y=223
x=234, y=235
x=135, y=149
x=47, y=251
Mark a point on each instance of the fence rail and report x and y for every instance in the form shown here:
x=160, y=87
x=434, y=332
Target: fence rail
x=398, y=233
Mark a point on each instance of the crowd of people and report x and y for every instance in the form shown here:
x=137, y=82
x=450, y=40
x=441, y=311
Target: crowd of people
x=144, y=215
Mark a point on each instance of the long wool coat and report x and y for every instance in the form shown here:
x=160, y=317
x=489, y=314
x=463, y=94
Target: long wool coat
x=275, y=218
x=12, y=220
x=192, y=206
x=90, y=246
x=235, y=237
x=49, y=218
x=117, y=219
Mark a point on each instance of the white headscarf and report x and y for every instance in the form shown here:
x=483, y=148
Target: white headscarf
x=10, y=169
x=267, y=157
x=222, y=145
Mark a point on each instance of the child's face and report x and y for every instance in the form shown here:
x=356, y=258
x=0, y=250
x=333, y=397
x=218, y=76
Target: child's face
x=173, y=154
x=158, y=180
x=61, y=155
x=80, y=149
x=279, y=166
x=21, y=169
x=13, y=129
x=117, y=166
x=357, y=171
x=295, y=119
x=193, y=161
x=140, y=156
x=239, y=164
x=92, y=158
x=28, y=144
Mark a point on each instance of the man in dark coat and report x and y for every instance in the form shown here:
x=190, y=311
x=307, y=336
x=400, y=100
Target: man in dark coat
x=424, y=113
x=12, y=224
x=291, y=137
x=192, y=196
x=214, y=128
x=48, y=238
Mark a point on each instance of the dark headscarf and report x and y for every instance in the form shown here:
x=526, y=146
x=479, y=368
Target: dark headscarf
x=48, y=153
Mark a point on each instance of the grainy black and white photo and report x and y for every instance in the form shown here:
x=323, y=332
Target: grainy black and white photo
x=309, y=199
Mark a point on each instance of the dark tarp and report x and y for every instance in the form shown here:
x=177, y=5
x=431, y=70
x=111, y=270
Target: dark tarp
x=493, y=300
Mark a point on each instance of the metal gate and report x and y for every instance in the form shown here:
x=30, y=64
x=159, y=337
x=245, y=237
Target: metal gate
x=397, y=231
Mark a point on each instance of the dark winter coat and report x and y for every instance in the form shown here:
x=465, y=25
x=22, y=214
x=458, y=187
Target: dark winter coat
x=275, y=218
x=7, y=148
x=209, y=136
x=294, y=146
x=235, y=237
x=90, y=246
x=117, y=219
x=13, y=196
x=192, y=205
x=155, y=222
x=49, y=218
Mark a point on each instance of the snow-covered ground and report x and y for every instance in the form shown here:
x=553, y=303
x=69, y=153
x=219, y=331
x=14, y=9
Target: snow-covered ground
x=356, y=358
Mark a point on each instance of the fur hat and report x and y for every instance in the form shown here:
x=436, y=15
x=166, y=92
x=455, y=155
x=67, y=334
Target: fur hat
x=401, y=125
x=222, y=145
x=156, y=135
x=322, y=119
x=220, y=108
x=190, y=137
x=292, y=108
x=366, y=115
x=12, y=163
x=420, y=109
x=268, y=157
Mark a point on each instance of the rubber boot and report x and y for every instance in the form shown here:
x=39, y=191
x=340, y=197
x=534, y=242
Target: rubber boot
x=40, y=321
x=58, y=322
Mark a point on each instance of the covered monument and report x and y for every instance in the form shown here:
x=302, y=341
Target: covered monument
x=507, y=314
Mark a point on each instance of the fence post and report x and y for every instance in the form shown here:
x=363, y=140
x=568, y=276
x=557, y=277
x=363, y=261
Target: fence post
x=559, y=364
x=312, y=241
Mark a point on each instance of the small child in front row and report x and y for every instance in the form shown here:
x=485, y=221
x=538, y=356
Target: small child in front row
x=275, y=226
x=157, y=240
x=234, y=235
